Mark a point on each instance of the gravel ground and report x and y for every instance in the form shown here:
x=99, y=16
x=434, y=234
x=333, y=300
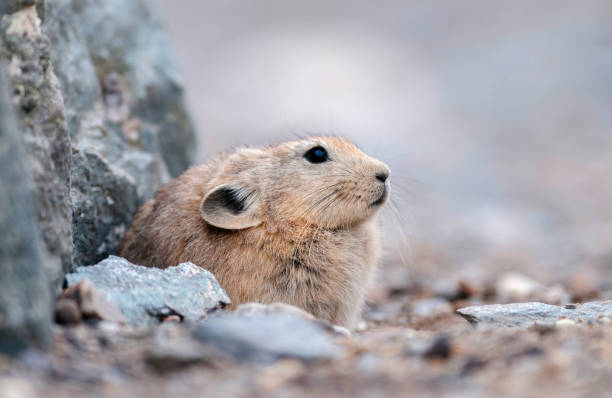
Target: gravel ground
x=411, y=342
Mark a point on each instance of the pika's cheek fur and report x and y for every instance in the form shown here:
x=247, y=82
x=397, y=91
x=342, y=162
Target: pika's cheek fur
x=294, y=223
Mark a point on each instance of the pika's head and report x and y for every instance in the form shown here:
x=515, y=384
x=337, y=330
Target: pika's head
x=325, y=182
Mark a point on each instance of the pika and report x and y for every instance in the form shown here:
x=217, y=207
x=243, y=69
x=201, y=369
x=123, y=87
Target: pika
x=293, y=223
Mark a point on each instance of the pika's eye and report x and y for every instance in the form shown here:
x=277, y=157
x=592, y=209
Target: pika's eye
x=316, y=155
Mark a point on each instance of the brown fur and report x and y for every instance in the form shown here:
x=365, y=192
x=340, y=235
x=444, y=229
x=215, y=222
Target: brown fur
x=307, y=235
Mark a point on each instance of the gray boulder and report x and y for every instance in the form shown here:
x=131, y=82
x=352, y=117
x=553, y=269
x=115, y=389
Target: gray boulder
x=114, y=55
x=39, y=105
x=525, y=315
x=99, y=107
x=144, y=294
x=104, y=202
x=125, y=112
x=24, y=291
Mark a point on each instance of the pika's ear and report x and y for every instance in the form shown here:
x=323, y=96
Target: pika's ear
x=230, y=207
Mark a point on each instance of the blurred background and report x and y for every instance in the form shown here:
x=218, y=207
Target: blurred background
x=495, y=117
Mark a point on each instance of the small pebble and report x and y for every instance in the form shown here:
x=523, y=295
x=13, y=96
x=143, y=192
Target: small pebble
x=562, y=323
x=515, y=287
x=361, y=326
x=447, y=289
x=542, y=328
x=440, y=349
x=583, y=287
x=341, y=330
x=67, y=312
x=472, y=365
x=430, y=308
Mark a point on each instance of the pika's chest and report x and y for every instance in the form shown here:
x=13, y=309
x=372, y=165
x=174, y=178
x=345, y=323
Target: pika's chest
x=326, y=265
x=327, y=277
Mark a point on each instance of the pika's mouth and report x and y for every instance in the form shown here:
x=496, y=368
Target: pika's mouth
x=382, y=199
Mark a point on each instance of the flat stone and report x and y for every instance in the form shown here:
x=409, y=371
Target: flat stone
x=267, y=338
x=144, y=295
x=525, y=315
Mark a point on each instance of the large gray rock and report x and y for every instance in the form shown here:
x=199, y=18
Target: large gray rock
x=143, y=294
x=37, y=97
x=126, y=38
x=24, y=291
x=104, y=202
x=124, y=106
x=524, y=315
x=114, y=55
x=100, y=111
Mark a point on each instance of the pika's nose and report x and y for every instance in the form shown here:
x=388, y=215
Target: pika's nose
x=382, y=176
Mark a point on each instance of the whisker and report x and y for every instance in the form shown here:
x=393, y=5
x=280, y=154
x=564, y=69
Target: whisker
x=315, y=204
x=399, y=223
x=313, y=193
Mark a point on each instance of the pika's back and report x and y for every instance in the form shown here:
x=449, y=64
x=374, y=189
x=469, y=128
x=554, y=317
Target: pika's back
x=293, y=223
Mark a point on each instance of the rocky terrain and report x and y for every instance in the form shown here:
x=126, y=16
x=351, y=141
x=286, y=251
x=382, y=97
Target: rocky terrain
x=92, y=122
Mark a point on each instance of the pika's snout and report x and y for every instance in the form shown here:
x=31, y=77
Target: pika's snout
x=381, y=173
x=383, y=188
x=382, y=176
x=380, y=170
